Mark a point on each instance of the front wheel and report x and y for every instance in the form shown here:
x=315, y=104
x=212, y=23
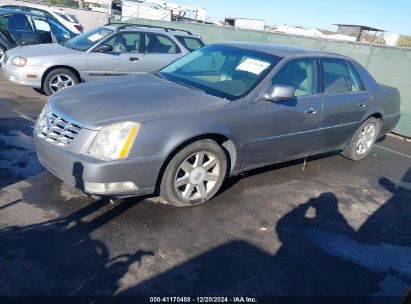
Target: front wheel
x=195, y=174
x=363, y=140
x=59, y=79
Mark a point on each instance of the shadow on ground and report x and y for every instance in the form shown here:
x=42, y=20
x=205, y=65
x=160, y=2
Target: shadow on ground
x=18, y=159
x=321, y=256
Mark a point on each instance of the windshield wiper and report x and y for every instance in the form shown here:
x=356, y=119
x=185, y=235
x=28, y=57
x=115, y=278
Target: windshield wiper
x=189, y=86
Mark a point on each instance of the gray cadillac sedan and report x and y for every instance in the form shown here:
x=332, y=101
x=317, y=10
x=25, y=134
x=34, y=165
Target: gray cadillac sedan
x=216, y=112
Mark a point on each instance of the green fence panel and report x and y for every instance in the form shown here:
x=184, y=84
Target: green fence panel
x=388, y=65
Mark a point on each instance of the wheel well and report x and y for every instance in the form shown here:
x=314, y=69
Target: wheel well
x=60, y=67
x=376, y=115
x=225, y=143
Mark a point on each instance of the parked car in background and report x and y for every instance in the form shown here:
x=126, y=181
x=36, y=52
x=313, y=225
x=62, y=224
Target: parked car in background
x=218, y=111
x=21, y=29
x=112, y=50
x=70, y=21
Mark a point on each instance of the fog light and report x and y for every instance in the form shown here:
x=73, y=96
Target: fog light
x=101, y=188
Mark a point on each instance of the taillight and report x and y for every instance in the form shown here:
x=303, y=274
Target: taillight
x=78, y=27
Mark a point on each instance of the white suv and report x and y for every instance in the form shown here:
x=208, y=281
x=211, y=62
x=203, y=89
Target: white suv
x=68, y=20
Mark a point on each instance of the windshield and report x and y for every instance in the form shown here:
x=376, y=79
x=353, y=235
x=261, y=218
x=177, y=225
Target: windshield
x=85, y=41
x=222, y=71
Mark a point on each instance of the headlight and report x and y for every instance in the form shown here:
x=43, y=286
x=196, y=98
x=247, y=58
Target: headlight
x=19, y=61
x=41, y=120
x=114, y=141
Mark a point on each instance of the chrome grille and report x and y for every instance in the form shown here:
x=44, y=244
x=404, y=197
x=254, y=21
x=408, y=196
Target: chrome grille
x=57, y=130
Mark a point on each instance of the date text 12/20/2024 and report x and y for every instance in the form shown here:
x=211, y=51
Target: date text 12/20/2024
x=203, y=300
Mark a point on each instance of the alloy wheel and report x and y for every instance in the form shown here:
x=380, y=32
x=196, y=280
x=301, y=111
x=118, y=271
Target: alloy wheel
x=60, y=81
x=197, y=176
x=366, y=139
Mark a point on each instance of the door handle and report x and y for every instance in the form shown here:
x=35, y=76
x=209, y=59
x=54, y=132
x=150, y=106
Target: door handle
x=361, y=105
x=310, y=111
x=133, y=59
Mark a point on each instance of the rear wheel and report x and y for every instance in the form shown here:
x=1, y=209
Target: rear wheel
x=59, y=79
x=363, y=140
x=195, y=174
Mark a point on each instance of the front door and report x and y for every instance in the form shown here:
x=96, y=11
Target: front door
x=281, y=130
x=122, y=57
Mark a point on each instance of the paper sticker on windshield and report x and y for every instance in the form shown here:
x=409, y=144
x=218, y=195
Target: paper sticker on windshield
x=253, y=66
x=95, y=37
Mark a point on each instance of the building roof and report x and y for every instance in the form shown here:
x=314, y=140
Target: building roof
x=362, y=27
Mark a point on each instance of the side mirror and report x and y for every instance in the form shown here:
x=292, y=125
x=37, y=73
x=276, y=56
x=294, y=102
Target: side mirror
x=279, y=92
x=103, y=49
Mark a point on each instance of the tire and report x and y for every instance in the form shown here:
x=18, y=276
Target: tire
x=360, y=146
x=191, y=179
x=40, y=91
x=2, y=52
x=52, y=83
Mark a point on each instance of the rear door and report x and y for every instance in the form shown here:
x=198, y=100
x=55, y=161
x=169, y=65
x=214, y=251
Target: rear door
x=345, y=101
x=21, y=29
x=124, y=56
x=159, y=50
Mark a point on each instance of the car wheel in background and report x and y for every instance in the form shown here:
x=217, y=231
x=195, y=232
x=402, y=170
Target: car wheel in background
x=59, y=79
x=40, y=91
x=2, y=52
x=363, y=140
x=194, y=175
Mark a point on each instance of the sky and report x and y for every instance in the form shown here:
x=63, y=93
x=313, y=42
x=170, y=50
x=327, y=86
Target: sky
x=393, y=16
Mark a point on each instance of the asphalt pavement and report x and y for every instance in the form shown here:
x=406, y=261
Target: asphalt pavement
x=337, y=228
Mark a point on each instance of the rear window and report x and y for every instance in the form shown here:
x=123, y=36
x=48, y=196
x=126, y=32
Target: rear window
x=160, y=44
x=190, y=43
x=357, y=83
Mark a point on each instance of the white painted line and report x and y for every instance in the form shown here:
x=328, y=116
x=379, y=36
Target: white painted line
x=393, y=151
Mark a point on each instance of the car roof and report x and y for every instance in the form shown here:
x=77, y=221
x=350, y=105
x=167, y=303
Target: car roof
x=282, y=50
x=16, y=11
x=151, y=29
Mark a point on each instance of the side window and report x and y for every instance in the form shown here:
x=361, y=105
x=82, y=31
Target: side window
x=58, y=29
x=19, y=22
x=336, y=76
x=159, y=44
x=41, y=24
x=357, y=84
x=4, y=24
x=301, y=74
x=190, y=43
x=128, y=42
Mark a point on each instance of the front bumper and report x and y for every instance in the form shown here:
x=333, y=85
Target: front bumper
x=19, y=75
x=76, y=169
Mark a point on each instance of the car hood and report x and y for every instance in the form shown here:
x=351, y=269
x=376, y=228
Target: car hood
x=42, y=50
x=139, y=97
